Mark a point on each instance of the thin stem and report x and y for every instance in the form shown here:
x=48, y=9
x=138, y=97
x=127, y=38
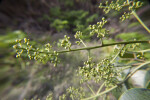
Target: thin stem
x=100, y=88
x=139, y=20
x=101, y=41
x=117, y=54
x=106, y=91
x=91, y=89
x=125, y=68
x=110, y=89
x=147, y=50
x=72, y=97
x=83, y=42
x=89, y=54
x=105, y=97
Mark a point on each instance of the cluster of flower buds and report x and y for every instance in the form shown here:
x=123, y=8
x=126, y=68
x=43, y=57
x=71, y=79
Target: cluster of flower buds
x=66, y=42
x=62, y=97
x=104, y=70
x=134, y=5
x=77, y=93
x=78, y=35
x=86, y=70
x=107, y=72
x=118, y=5
x=98, y=29
x=125, y=16
x=44, y=54
x=113, y=5
x=21, y=47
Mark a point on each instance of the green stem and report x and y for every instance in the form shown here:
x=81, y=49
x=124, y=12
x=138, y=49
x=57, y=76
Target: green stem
x=91, y=89
x=147, y=50
x=101, y=41
x=72, y=97
x=125, y=68
x=139, y=20
x=100, y=88
x=89, y=54
x=104, y=45
x=106, y=91
x=83, y=42
x=117, y=54
x=93, y=47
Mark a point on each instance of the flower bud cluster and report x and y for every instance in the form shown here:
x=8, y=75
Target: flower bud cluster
x=21, y=47
x=78, y=35
x=77, y=93
x=98, y=29
x=113, y=5
x=66, y=42
x=125, y=16
x=132, y=5
x=41, y=54
x=104, y=70
x=49, y=97
x=62, y=97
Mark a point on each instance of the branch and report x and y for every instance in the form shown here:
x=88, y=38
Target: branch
x=90, y=48
x=104, y=45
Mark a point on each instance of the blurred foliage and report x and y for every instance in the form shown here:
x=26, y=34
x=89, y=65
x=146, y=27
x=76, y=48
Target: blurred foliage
x=7, y=58
x=73, y=20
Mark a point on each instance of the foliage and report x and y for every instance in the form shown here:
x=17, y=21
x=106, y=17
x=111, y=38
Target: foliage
x=127, y=54
x=78, y=19
x=7, y=60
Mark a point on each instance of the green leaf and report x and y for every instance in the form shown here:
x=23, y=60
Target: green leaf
x=126, y=55
x=118, y=91
x=147, y=79
x=136, y=94
x=148, y=85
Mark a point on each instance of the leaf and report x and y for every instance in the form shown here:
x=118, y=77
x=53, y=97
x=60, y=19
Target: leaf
x=148, y=85
x=147, y=79
x=136, y=94
x=127, y=55
x=118, y=91
x=138, y=79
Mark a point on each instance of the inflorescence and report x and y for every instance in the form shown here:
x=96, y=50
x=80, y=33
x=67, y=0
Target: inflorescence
x=43, y=54
x=118, y=5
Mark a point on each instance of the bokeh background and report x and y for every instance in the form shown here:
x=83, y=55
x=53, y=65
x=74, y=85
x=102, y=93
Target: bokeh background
x=47, y=21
